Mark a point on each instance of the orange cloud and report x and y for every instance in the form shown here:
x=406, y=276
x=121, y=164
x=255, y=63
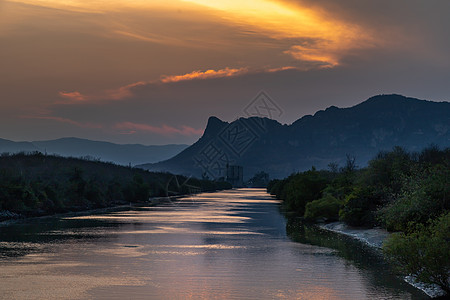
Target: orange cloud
x=286, y=23
x=123, y=91
x=127, y=90
x=113, y=94
x=77, y=96
x=163, y=130
x=329, y=38
x=227, y=72
x=280, y=69
x=315, y=55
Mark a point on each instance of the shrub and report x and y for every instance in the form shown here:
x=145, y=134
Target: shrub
x=303, y=188
x=424, y=252
x=326, y=207
x=358, y=209
x=386, y=173
x=424, y=196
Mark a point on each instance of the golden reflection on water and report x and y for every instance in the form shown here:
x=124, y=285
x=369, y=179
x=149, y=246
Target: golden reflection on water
x=38, y=277
x=182, y=218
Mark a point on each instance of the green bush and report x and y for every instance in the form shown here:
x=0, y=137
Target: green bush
x=303, y=188
x=326, y=207
x=277, y=187
x=386, y=172
x=424, y=196
x=359, y=207
x=424, y=252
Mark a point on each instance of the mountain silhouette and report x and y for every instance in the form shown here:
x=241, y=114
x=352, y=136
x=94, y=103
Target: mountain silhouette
x=361, y=131
x=120, y=154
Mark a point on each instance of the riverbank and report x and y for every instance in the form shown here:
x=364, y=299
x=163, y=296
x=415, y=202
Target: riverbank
x=375, y=237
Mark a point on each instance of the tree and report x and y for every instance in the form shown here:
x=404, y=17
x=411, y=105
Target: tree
x=425, y=195
x=326, y=207
x=333, y=167
x=76, y=187
x=424, y=252
x=303, y=188
x=259, y=180
x=359, y=207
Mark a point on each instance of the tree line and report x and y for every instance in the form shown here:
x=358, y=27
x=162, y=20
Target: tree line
x=403, y=192
x=34, y=184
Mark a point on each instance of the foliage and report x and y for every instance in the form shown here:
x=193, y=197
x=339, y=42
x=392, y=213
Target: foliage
x=326, y=207
x=395, y=188
x=276, y=187
x=259, y=180
x=424, y=251
x=303, y=188
x=386, y=172
x=399, y=191
x=424, y=195
x=36, y=184
x=358, y=207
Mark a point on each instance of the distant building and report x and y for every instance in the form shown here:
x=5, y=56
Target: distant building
x=235, y=175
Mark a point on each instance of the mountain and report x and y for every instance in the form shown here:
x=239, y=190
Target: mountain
x=361, y=131
x=120, y=154
x=10, y=146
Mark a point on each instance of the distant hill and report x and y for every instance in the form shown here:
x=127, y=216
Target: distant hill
x=120, y=154
x=377, y=124
x=36, y=184
x=12, y=147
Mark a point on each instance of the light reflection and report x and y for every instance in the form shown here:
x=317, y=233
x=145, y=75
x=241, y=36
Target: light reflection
x=211, y=246
x=158, y=230
x=155, y=218
x=39, y=277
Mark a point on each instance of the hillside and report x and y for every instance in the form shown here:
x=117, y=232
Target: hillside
x=12, y=147
x=38, y=184
x=377, y=124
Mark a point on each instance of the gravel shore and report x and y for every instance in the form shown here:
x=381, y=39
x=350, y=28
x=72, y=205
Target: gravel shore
x=375, y=237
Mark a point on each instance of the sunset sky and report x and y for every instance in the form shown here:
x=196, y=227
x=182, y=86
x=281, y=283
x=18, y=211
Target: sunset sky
x=152, y=72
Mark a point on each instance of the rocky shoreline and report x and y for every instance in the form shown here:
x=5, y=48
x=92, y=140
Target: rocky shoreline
x=375, y=237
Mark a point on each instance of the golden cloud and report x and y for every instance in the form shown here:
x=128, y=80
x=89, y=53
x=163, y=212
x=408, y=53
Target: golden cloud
x=126, y=91
x=227, y=72
x=328, y=37
x=77, y=96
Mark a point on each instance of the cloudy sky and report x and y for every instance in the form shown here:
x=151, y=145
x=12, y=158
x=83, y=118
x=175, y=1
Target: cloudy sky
x=153, y=71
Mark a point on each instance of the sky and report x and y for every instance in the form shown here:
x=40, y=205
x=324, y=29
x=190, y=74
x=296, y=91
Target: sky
x=152, y=72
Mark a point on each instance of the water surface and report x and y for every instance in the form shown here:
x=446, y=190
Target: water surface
x=225, y=245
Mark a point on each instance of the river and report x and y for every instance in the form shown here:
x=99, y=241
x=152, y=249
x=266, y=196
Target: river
x=224, y=245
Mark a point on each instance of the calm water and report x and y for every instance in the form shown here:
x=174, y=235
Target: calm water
x=227, y=245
